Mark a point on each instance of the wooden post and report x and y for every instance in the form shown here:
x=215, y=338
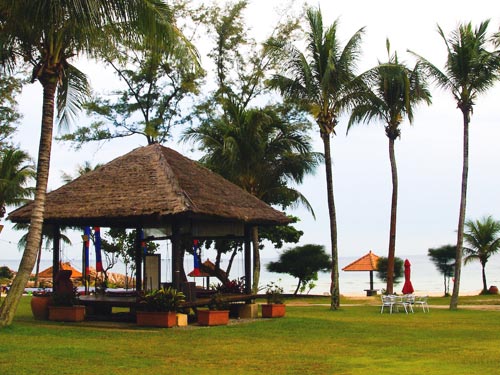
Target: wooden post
x=138, y=259
x=248, y=259
x=371, y=280
x=176, y=245
x=56, y=253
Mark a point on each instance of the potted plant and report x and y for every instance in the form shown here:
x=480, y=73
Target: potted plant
x=65, y=307
x=158, y=307
x=275, y=307
x=40, y=302
x=217, y=313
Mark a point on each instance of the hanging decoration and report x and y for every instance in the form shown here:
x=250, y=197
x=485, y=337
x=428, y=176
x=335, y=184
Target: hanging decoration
x=86, y=245
x=197, y=257
x=98, y=256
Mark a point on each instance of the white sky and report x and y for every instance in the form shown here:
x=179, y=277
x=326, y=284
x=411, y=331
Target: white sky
x=428, y=154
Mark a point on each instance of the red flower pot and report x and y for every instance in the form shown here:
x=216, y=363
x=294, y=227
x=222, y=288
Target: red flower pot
x=273, y=310
x=163, y=319
x=213, y=317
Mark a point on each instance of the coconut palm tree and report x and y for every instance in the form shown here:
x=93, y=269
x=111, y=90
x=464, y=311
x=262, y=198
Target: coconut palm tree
x=394, y=91
x=16, y=171
x=47, y=34
x=320, y=81
x=483, y=238
x=470, y=70
x=261, y=150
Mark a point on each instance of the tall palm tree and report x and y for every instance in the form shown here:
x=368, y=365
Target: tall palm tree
x=46, y=34
x=320, y=81
x=483, y=238
x=16, y=171
x=260, y=150
x=394, y=91
x=470, y=70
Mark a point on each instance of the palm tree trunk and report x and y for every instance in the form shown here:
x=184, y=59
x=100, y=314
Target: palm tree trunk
x=392, y=229
x=485, y=284
x=334, y=286
x=461, y=215
x=256, y=260
x=9, y=307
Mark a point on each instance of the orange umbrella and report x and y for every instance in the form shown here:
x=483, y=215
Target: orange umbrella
x=368, y=262
x=48, y=272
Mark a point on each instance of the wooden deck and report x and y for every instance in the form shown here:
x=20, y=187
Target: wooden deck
x=102, y=304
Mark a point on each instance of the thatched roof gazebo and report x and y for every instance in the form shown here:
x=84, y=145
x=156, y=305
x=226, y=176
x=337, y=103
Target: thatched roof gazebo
x=156, y=187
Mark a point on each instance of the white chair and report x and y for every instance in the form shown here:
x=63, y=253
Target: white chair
x=387, y=301
x=407, y=301
x=422, y=301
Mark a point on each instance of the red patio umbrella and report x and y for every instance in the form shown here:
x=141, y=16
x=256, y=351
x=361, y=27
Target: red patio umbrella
x=407, y=288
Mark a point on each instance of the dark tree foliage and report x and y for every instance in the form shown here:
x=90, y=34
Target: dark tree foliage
x=398, y=269
x=303, y=262
x=444, y=259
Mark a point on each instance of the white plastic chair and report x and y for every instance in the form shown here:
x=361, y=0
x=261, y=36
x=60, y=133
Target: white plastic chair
x=387, y=301
x=407, y=301
x=422, y=301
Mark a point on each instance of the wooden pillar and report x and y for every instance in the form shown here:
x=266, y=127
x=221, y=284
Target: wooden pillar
x=371, y=280
x=176, y=248
x=56, y=253
x=248, y=259
x=138, y=259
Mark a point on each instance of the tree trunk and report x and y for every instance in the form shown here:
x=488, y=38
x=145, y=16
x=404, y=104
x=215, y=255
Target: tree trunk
x=485, y=284
x=334, y=286
x=9, y=307
x=298, y=287
x=256, y=259
x=392, y=229
x=461, y=215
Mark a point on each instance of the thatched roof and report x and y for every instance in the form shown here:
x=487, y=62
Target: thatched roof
x=149, y=187
x=367, y=262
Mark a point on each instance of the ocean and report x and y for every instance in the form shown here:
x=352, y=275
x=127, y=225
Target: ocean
x=424, y=276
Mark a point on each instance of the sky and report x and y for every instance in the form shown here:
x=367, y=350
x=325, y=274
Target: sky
x=429, y=153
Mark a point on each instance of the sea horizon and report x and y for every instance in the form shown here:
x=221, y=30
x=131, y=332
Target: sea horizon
x=425, y=278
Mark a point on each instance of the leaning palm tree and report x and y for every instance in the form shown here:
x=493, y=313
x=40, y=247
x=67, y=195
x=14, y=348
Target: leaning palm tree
x=16, y=171
x=320, y=82
x=483, y=240
x=47, y=34
x=470, y=70
x=262, y=151
x=394, y=91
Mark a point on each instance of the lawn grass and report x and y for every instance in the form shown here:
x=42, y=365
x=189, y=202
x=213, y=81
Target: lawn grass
x=309, y=340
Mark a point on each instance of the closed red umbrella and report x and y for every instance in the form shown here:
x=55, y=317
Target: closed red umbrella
x=407, y=288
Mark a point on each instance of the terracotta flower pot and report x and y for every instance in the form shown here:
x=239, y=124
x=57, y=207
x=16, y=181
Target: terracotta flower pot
x=274, y=310
x=40, y=307
x=67, y=313
x=213, y=317
x=164, y=319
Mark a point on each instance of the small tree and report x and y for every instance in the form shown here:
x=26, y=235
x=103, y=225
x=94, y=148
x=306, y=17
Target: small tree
x=382, y=269
x=444, y=259
x=302, y=262
x=483, y=240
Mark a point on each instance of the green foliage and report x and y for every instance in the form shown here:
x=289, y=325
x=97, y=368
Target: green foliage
x=218, y=302
x=280, y=234
x=483, y=239
x=444, y=259
x=160, y=300
x=303, y=262
x=6, y=273
x=17, y=170
x=10, y=87
x=274, y=293
x=398, y=269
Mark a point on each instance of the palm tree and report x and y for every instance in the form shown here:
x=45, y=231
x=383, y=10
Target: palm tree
x=16, y=170
x=394, y=91
x=483, y=238
x=260, y=150
x=320, y=82
x=46, y=34
x=470, y=70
